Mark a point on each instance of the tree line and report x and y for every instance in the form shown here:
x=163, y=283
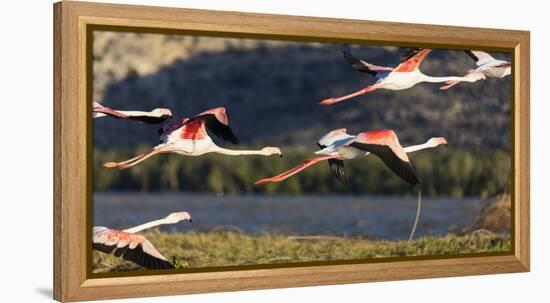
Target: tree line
x=445, y=171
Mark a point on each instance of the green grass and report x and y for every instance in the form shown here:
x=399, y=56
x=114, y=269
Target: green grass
x=229, y=248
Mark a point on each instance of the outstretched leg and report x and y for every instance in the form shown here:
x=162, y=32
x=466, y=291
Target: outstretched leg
x=138, y=159
x=331, y=101
x=449, y=84
x=110, y=112
x=128, y=161
x=296, y=169
x=471, y=76
x=418, y=207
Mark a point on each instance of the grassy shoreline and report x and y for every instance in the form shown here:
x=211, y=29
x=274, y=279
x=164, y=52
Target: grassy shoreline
x=228, y=248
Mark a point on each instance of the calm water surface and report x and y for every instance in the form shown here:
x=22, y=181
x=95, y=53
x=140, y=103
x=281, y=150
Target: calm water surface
x=373, y=217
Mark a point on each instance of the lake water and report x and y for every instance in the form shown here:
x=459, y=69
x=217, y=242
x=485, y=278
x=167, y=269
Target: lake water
x=387, y=218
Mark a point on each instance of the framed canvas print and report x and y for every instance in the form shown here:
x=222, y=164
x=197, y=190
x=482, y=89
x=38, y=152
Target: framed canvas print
x=202, y=151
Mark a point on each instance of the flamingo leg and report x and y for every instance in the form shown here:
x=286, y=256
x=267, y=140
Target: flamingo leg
x=129, y=160
x=449, y=85
x=363, y=91
x=111, y=112
x=136, y=160
x=296, y=169
x=417, y=217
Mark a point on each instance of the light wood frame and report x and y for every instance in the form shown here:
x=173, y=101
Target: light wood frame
x=72, y=128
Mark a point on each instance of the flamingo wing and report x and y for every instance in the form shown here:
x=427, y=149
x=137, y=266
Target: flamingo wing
x=364, y=66
x=338, y=171
x=480, y=57
x=296, y=169
x=411, y=59
x=131, y=247
x=219, y=128
x=333, y=137
x=336, y=165
x=385, y=145
x=149, y=119
x=195, y=128
x=217, y=122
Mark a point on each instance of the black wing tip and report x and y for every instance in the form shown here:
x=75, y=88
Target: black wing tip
x=227, y=135
x=103, y=247
x=471, y=54
x=337, y=168
x=402, y=169
x=150, y=120
x=163, y=264
x=220, y=129
x=409, y=53
x=138, y=256
x=233, y=139
x=343, y=180
x=351, y=59
x=346, y=51
x=414, y=181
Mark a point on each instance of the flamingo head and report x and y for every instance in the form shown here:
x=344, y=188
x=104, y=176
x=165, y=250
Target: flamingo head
x=176, y=217
x=268, y=151
x=162, y=112
x=437, y=141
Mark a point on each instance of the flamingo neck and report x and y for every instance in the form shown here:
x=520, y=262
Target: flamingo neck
x=413, y=148
x=430, y=79
x=144, y=226
x=232, y=152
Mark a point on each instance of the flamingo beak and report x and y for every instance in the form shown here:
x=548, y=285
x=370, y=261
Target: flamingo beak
x=190, y=220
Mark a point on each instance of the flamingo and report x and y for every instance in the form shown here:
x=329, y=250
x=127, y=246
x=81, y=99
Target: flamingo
x=338, y=145
x=406, y=75
x=134, y=247
x=487, y=65
x=188, y=137
x=155, y=116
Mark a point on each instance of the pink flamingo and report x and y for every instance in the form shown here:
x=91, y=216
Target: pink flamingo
x=133, y=247
x=188, y=137
x=406, y=75
x=155, y=116
x=487, y=65
x=338, y=145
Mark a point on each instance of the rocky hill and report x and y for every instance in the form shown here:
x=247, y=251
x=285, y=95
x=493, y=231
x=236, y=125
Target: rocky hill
x=271, y=88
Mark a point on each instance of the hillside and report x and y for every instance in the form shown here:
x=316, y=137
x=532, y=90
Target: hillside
x=271, y=89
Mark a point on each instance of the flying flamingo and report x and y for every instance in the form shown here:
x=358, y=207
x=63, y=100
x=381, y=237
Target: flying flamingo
x=406, y=75
x=188, y=137
x=155, y=116
x=338, y=145
x=133, y=247
x=486, y=64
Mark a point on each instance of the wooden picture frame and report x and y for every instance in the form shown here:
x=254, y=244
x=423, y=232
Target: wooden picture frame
x=72, y=23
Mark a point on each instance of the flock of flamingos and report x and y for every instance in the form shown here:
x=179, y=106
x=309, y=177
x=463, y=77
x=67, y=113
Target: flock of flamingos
x=189, y=137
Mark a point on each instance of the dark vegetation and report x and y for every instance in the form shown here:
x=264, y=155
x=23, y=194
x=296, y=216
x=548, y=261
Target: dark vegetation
x=442, y=171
